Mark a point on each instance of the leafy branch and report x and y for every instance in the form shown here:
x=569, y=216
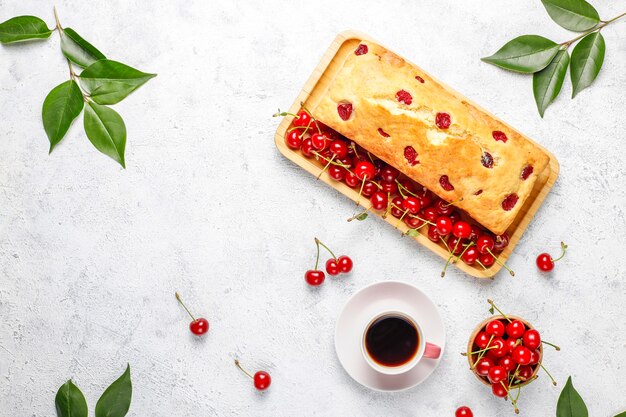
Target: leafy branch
x=548, y=61
x=100, y=83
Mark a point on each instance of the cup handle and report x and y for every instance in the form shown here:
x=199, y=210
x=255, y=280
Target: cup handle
x=432, y=351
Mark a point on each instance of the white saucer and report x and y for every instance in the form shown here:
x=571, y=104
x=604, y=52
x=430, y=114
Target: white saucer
x=365, y=304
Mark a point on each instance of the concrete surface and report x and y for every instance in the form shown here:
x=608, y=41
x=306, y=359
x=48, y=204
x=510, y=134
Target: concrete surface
x=90, y=255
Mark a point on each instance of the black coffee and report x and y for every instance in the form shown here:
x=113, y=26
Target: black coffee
x=392, y=340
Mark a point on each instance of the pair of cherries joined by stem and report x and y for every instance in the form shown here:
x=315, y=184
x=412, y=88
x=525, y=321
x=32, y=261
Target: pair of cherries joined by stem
x=334, y=266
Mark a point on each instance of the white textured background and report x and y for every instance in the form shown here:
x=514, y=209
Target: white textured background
x=90, y=255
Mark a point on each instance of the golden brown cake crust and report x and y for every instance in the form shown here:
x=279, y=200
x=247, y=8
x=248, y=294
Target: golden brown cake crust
x=376, y=83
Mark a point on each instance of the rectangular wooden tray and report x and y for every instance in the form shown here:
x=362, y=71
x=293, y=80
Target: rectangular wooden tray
x=312, y=92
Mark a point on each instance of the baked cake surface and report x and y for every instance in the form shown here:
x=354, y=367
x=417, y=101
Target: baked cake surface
x=431, y=134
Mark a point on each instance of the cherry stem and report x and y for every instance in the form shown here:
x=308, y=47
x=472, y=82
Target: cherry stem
x=469, y=245
x=283, y=113
x=456, y=245
x=499, y=311
x=317, y=258
x=326, y=167
x=353, y=146
x=546, y=371
x=415, y=216
x=481, y=264
x=453, y=203
x=416, y=228
x=514, y=374
x=389, y=205
x=476, y=352
x=597, y=28
x=563, y=249
x=185, y=307
x=319, y=242
x=500, y=262
x=480, y=356
x=401, y=217
x=403, y=188
x=550, y=344
x=243, y=370
x=356, y=216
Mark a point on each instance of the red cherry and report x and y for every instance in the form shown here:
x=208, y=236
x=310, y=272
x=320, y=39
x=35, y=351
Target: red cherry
x=389, y=174
x=408, y=184
x=497, y=374
x=396, y=207
x=332, y=268
x=484, y=244
x=498, y=135
x=483, y=366
x=456, y=245
x=430, y=214
x=511, y=344
x=544, y=262
x=336, y=172
x=522, y=355
x=509, y=202
x=351, y=180
x=410, y=154
x=524, y=373
x=500, y=390
x=482, y=340
x=379, y=200
x=535, y=357
x=413, y=222
x=345, y=110
x=443, y=208
x=345, y=264
x=412, y=204
x=262, y=380
x=369, y=188
x=307, y=148
x=443, y=120
x=389, y=187
x=444, y=181
x=364, y=170
x=433, y=234
x=404, y=97
x=501, y=242
x=339, y=149
x=320, y=141
x=463, y=411
x=314, y=277
x=507, y=363
x=531, y=339
x=470, y=255
x=462, y=230
x=495, y=327
x=498, y=348
x=486, y=259
x=444, y=225
x=515, y=329
x=476, y=232
x=293, y=139
x=198, y=326
x=302, y=119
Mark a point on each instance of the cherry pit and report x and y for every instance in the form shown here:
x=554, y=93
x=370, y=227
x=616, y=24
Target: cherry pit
x=334, y=266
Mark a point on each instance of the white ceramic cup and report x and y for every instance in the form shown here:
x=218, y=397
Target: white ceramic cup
x=425, y=350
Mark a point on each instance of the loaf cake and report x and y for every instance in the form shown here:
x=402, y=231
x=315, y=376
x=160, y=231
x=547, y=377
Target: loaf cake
x=432, y=134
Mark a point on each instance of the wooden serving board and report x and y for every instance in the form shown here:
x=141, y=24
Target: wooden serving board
x=312, y=92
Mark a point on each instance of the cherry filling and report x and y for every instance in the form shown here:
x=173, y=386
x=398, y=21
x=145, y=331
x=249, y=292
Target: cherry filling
x=345, y=110
x=404, y=97
x=526, y=172
x=487, y=160
x=442, y=120
x=411, y=155
x=498, y=135
x=420, y=79
x=382, y=133
x=361, y=49
x=509, y=202
x=444, y=181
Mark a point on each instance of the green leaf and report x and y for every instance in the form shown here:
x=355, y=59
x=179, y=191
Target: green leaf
x=587, y=59
x=570, y=403
x=23, y=28
x=621, y=414
x=492, y=310
x=78, y=50
x=115, y=401
x=361, y=216
x=70, y=402
x=60, y=108
x=109, y=82
x=547, y=83
x=106, y=131
x=575, y=15
x=413, y=232
x=527, y=54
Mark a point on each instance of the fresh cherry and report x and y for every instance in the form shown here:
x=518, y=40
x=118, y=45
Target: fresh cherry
x=413, y=222
x=379, y=200
x=486, y=259
x=545, y=261
x=336, y=172
x=507, y=363
x=302, y=119
x=456, y=245
x=524, y=373
x=463, y=411
x=314, y=277
x=535, y=357
x=455, y=216
x=497, y=348
x=332, y=267
x=496, y=374
x=515, y=329
x=484, y=365
x=443, y=208
x=484, y=244
x=501, y=242
x=320, y=141
x=462, y=230
x=495, y=327
x=511, y=344
x=522, y=355
x=470, y=256
x=351, y=180
x=364, y=170
x=412, y=204
x=444, y=225
x=307, y=148
x=430, y=214
x=433, y=234
x=500, y=389
x=389, y=187
x=396, y=207
x=345, y=264
x=369, y=188
x=482, y=340
x=408, y=185
x=531, y=339
x=389, y=174
x=262, y=379
x=339, y=149
x=197, y=326
x=294, y=139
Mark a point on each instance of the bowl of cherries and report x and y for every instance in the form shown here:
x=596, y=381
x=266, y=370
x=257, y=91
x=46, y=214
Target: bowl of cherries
x=505, y=352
